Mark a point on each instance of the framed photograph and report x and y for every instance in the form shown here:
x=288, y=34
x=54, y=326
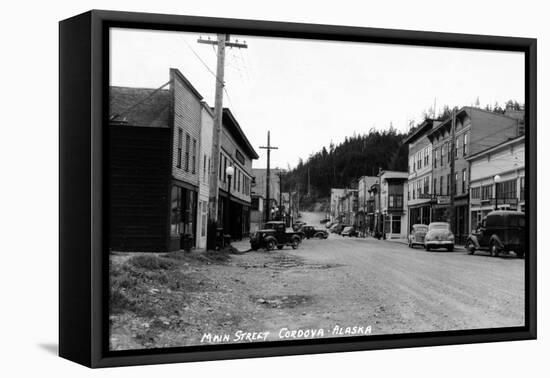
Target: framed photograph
x=235, y=188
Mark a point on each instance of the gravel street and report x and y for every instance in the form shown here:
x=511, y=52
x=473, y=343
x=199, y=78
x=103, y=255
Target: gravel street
x=330, y=285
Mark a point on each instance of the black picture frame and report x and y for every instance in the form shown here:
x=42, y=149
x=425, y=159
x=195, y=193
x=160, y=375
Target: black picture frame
x=83, y=70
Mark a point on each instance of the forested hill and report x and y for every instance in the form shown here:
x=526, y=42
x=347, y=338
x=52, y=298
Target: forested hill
x=339, y=166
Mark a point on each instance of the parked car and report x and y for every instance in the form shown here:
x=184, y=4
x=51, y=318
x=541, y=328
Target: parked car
x=417, y=235
x=329, y=224
x=312, y=232
x=349, y=231
x=439, y=235
x=274, y=235
x=297, y=225
x=337, y=228
x=323, y=221
x=501, y=231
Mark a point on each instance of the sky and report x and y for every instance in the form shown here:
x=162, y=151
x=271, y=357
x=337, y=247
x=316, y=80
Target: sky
x=309, y=93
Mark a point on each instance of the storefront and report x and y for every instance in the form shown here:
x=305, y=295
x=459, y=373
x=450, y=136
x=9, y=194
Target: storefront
x=183, y=214
x=420, y=214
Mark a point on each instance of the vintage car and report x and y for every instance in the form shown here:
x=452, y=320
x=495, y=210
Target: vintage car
x=337, y=228
x=349, y=231
x=439, y=235
x=417, y=235
x=297, y=225
x=275, y=234
x=500, y=232
x=312, y=232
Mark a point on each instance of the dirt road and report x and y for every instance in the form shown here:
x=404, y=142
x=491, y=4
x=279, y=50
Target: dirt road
x=343, y=282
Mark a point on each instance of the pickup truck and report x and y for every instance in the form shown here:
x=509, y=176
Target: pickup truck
x=275, y=234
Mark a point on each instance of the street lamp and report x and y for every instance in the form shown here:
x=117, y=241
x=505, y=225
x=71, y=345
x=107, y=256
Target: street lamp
x=497, y=180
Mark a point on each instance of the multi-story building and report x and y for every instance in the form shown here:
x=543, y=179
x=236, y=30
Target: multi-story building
x=420, y=184
x=497, y=179
x=475, y=130
x=235, y=193
x=335, y=204
x=260, y=185
x=393, y=201
x=364, y=186
x=159, y=148
x=348, y=207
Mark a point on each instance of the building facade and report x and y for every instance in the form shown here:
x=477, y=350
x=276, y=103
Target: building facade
x=160, y=143
x=497, y=179
x=421, y=183
x=336, y=195
x=475, y=130
x=393, y=201
x=235, y=193
x=364, y=199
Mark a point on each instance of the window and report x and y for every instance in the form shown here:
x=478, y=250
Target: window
x=457, y=147
x=449, y=184
x=486, y=192
x=522, y=188
x=399, y=201
x=187, y=147
x=441, y=185
x=429, y=156
x=204, y=169
x=507, y=189
x=464, y=181
x=465, y=144
x=455, y=186
x=426, y=185
x=396, y=224
x=220, y=174
x=476, y=192
x=180, y=142
x=435, y=157
x=225, y=169
x=435, y=186
x=194, y=166
x=419, y=160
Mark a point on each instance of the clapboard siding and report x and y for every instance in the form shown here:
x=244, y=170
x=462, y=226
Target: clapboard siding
x=139, y=180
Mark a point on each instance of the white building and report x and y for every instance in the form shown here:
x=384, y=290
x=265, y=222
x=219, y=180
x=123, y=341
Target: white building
x=497, y=179
x=393, y=198
x=335, y=203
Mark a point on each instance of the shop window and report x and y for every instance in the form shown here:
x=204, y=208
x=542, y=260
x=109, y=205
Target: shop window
x=396, y=224
x=522, y=188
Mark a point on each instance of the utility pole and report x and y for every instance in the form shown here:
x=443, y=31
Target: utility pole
x=269, y=147
x=453, y=183
x=222, y=42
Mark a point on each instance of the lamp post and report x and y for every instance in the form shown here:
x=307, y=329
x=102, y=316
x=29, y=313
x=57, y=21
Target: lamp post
x=229, y=171
x=497, y=180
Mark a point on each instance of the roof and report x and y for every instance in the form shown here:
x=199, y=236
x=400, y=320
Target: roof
x=497, y=147
x=465, y=110
x=149, y=107
x=231, y=124
x=422, y=129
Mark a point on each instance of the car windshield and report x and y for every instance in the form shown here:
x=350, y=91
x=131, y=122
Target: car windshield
x=439, y=226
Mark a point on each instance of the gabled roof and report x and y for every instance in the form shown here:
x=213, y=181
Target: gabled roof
x=423, y=129
x=148, y=108
x=231, y=124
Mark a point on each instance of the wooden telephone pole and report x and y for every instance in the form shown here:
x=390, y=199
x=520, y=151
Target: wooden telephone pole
x=269, y=147
x=222, y=42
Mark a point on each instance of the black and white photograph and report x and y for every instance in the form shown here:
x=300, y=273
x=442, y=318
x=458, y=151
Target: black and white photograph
x=268, y=189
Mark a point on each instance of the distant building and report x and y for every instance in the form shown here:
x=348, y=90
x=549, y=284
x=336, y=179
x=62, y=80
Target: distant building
x=507, y=161
x=348, y=207
x=260, y=185
x=364, y=195
x=393, y=203
x=335, y=204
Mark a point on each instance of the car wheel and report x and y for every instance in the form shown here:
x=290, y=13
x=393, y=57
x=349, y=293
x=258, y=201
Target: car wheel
x=270, y=245
x=295, y=243
x=427, y=247
x=494, y=249
x=450, y=248
x=470, y=247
